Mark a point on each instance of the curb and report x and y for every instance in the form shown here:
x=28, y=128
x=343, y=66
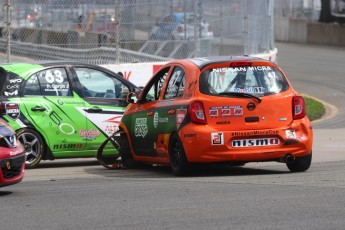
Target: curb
x=330, y=110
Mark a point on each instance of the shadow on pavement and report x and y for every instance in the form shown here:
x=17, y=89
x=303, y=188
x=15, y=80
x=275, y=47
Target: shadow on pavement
x=5, y=193
x=148, y=171
x=67, y=163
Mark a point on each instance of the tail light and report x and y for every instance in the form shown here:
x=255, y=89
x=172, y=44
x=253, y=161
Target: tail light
x=298, y=107
x=197, y=113
x=240, y=63
x=2, y=110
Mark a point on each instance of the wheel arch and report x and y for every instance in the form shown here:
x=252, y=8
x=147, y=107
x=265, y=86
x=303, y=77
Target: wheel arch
x=181, y=142
x=46, y=153
x=125, y=133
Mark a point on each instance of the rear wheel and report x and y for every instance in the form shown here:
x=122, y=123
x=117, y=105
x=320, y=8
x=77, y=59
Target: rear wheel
x=33, y=145
x=125, y=153
x=178, y=159
x=300, y=164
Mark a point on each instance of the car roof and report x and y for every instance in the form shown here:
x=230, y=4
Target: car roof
x=42, y=64
x=22, y=67
x=205, y=61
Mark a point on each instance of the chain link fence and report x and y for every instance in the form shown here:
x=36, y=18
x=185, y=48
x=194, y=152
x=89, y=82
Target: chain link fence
x=126, y=31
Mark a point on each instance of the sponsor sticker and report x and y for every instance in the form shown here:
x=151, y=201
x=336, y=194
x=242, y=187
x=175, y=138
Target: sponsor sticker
x=155, y=119
x=213, y=113
x=290, y=133
x=180, y=114
x=217, y=138
x=14, y=93
x=12, y=110
x=90, y=134
x=189, y=135
x=255, y=142
x=255, y=133
x=141, y=128
x=68, y=146
x=225, y=111
x=222, y=122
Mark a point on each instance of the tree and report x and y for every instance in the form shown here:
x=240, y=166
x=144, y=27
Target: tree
x=326, y=12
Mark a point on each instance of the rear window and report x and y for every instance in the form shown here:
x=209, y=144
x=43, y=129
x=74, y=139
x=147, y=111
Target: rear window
x=258, y=80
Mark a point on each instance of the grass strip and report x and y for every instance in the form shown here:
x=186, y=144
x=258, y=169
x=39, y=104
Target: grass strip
x=315, y=109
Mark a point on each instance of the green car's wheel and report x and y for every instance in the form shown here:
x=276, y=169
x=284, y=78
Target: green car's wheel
x=300, y=164
x=34, y=146
x=178, y=159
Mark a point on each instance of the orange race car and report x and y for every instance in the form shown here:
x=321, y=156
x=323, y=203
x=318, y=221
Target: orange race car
x=217, y=109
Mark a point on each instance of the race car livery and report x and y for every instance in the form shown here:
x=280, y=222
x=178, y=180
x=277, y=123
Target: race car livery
x=62, y=109
x=217, y=110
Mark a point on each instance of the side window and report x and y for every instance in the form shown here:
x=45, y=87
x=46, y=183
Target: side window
x=154, y=87
x=50, y=82
x=176, y=84
x=100, y=85
x=32, y=87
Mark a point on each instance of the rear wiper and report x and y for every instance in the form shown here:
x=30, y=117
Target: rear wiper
x=247, y=95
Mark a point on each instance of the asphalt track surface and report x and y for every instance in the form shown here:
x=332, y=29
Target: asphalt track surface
x=80, y=194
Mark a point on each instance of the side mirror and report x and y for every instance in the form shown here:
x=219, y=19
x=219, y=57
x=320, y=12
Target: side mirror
x=132, y=97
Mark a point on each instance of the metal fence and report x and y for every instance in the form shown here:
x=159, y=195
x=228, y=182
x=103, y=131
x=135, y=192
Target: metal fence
x=122, y=31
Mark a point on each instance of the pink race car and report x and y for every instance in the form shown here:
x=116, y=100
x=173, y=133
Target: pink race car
x=12, y=156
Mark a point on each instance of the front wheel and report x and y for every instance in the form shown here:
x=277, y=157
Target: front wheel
x=126, y=155
x=178, y=159
x=300, y=164
x=33, y=145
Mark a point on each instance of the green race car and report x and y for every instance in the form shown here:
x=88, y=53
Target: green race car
x=62, y=109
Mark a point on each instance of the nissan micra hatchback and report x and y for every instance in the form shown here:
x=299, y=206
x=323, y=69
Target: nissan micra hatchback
x=220, y=109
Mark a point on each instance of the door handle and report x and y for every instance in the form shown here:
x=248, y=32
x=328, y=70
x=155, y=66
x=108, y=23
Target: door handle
x=149, y=114
x=37, y=108
x=94, y=110
x=171, y=112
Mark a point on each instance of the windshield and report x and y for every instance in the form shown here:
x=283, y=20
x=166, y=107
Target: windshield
x=257, y=80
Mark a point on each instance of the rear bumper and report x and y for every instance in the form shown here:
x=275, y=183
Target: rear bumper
x=205, y=144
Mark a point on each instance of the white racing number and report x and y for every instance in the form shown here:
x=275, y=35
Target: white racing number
x=52, y=76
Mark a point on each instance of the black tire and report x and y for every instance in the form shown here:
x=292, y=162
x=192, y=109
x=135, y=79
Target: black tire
x=34, y=146
x=178, y=159
x=300, y=164
x=126, y=155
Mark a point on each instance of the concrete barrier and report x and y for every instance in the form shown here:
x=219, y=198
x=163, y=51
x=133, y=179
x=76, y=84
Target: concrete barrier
x=303, y=31
x=298, y=30
x=326, y=34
